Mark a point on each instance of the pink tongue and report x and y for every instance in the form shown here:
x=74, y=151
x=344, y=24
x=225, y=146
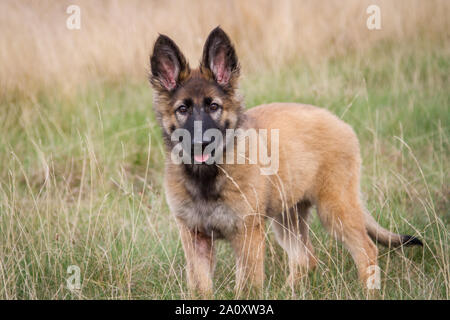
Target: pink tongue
x=201, y=158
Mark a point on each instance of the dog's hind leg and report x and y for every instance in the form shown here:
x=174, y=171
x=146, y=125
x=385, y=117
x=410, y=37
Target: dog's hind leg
x=342, y=215
x=291, y=231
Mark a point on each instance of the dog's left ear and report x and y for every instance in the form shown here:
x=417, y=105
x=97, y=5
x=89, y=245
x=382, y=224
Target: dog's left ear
x=220, y=59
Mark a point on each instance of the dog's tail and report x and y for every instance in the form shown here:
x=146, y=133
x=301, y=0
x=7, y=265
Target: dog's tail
x=387, y=238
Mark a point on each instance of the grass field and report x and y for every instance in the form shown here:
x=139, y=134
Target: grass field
x=81, y=170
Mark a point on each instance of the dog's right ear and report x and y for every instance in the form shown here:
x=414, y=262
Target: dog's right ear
x=168, y=65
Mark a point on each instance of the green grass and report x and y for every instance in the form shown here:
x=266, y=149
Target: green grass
x=81, y=183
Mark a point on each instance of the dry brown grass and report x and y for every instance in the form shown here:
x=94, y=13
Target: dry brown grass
x=36, y=48
x=81, y=173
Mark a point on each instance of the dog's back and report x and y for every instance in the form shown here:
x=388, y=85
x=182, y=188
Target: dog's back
x=315, y=147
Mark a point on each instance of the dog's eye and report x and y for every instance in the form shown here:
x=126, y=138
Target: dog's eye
x=182, y=109
x=213, y=106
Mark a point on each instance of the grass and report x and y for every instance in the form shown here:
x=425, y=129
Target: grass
x=81, y=183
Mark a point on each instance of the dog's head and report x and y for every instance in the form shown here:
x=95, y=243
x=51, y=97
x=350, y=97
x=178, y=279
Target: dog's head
x=196, y=100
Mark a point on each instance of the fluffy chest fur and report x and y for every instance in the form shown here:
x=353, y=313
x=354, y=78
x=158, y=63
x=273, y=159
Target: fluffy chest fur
x=212, y=218
x=197, y=198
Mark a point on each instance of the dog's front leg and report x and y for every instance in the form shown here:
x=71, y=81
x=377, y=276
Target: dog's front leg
x=249, y=247
x=200, y=259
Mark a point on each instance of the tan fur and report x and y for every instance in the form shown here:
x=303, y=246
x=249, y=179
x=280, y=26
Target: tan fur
x=319, y=165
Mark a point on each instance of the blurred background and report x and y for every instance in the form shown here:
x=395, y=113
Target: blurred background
x=36, y=48
x=81, y=154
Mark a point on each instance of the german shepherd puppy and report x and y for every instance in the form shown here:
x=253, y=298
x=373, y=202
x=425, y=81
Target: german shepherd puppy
x=319, y=164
